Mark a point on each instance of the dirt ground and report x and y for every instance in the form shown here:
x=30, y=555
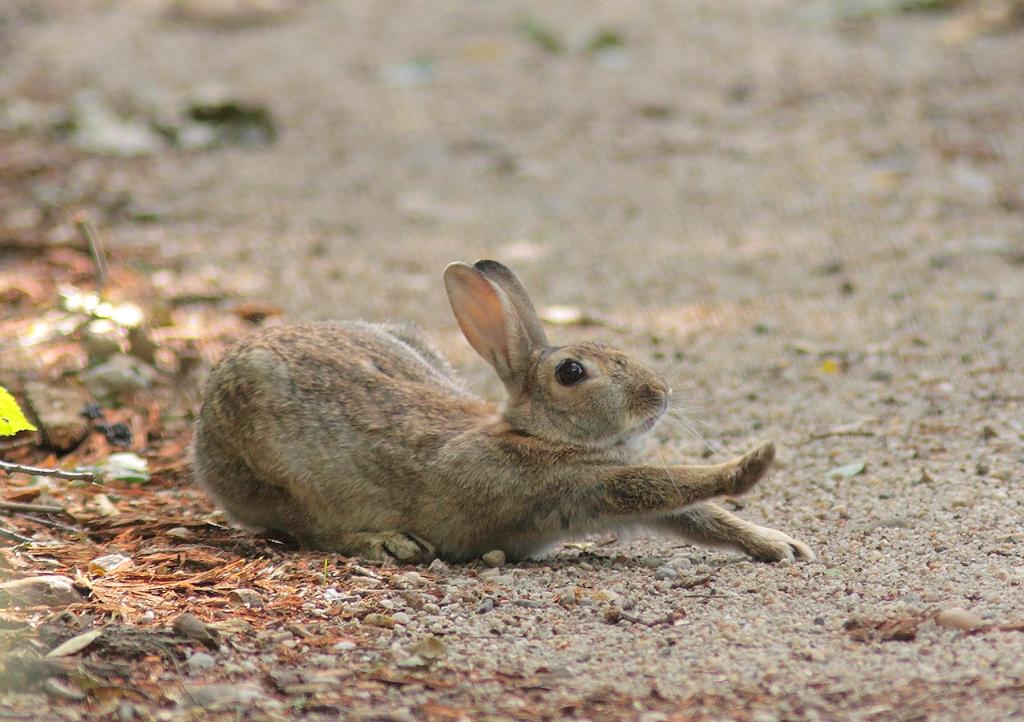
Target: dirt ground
x=814, y=213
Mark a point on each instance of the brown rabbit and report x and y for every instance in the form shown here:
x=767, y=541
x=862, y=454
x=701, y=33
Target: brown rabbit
x=358, y=438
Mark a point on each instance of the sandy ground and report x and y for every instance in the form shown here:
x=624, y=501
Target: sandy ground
x=822, y=220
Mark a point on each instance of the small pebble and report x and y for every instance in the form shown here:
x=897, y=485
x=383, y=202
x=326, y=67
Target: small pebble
x=401, y=618
x=246, y=597
x=495, y=558
x=201, y=661
x=607, y=595
x=412, y=579
x=438, y=567
x=566, y=597
x=958, y=618
x=190, y=627
x=379, y=620
x=665, y=572
x=52, y=590
x=486, y=605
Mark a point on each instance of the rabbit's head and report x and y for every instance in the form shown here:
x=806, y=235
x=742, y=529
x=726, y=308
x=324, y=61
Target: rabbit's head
x=584, y=394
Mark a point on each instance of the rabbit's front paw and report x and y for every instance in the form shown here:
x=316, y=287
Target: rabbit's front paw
x=750, y=467
x=404, y=547
x=771, y=545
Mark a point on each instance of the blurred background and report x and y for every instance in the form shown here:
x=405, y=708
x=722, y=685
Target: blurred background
x=809, y=213
x=845, y=172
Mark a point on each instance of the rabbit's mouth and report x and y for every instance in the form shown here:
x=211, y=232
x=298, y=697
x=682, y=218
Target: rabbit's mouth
x=643, y=428
x=647, y=425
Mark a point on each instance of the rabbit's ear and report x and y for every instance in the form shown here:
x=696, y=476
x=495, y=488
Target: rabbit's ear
x=506, y=280
x=489, y=321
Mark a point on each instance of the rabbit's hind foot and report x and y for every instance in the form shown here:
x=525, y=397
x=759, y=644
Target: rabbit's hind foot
x=771, y=545
x=395, y=546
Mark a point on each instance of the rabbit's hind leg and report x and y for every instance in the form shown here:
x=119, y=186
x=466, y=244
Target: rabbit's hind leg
x=382, y=545
x=710, y=524
x=413, y=337
x=241, y=494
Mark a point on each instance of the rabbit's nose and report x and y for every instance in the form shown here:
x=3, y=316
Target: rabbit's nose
x=658, y=393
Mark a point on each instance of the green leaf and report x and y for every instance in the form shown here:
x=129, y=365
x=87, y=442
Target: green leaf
x=540, y=35
x=605, y=40
x=12, y=419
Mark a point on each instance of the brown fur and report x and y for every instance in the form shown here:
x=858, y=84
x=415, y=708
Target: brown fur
x=358, y=438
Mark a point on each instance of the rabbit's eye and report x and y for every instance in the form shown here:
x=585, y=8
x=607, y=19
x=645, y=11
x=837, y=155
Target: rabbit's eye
x=570, y=372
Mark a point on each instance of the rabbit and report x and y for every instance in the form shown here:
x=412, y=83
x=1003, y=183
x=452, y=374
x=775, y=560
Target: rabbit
x=358, y=438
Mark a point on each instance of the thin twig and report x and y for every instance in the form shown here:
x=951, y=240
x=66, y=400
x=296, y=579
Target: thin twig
x=10, y=535
x=39, y=471
x=49, y=522
x=99, y=259
x=125, y=688
x=840, y=432
x=177, y=667
x=41, y=508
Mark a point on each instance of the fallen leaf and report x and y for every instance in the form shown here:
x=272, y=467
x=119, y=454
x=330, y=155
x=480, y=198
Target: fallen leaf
x=106, y=564
x=255, y=312
x=847, y=471
x=122, y=466
x=540, y=35
x=899, y=629
x=76, y=644
x=104, y=505
x=573, y=316
x=12, y=420
x=605, y=40
x=830, y=366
